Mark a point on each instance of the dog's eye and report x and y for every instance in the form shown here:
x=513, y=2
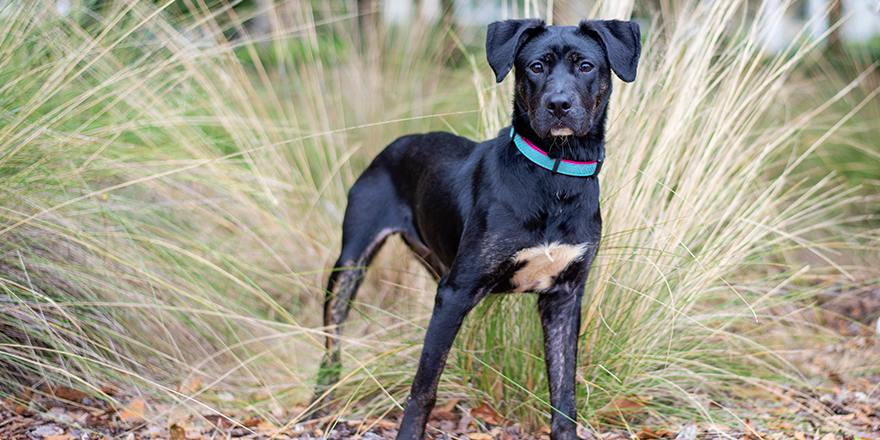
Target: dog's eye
x=537, y=67
x=586, y=67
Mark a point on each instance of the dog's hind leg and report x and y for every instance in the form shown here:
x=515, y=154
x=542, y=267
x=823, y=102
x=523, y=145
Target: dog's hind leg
x=373, y=213
x=348, y=273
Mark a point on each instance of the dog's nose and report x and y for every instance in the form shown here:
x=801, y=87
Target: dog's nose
x=558, y=105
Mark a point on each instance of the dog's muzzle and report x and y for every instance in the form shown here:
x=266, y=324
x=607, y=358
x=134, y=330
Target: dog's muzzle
x=560, y=114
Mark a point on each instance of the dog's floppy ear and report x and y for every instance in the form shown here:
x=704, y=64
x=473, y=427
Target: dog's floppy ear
x=623, y=44
x=503, y=41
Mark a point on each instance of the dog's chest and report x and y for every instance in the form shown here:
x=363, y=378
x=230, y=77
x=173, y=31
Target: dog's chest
x=541, y=265
x=566, y=228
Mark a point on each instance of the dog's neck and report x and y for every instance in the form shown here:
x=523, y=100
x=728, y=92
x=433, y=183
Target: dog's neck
x=587, y=148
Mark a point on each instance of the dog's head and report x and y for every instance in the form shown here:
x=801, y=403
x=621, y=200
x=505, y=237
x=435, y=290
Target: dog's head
x=563, y=73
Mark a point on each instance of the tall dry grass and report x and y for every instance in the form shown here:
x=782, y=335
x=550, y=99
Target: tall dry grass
x=711, y=227
x=173, y=189
x=172, y=192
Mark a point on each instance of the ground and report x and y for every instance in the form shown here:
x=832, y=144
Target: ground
x=838, y=408
x=842, y=402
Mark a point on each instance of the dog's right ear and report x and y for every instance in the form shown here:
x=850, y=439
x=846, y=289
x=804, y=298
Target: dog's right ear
x=503, y=41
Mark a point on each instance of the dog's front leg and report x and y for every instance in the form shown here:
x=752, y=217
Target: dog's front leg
x=560, y=317
x=451, y=305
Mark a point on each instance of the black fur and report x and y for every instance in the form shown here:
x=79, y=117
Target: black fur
x=467, y=209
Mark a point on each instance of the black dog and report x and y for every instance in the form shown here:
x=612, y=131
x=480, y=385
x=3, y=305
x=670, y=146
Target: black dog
x=513, y=214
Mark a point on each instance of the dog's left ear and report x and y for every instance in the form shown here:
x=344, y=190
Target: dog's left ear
x=623, y=44
x=503, y=41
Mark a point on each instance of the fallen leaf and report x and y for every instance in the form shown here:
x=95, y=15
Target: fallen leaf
x=253, y=422
x=844, y=418
x=109, y=390
x=19, y=405
x=498, y=389
x=625, y=404
x=47, y=431
x=862, y=417
x=190, y=386
x=799, y=436
x=450, y=405
x=751, y=432
x=829, y=436
x=487, y=413
x=220, y=421
x=480, y=436
x=60, y=437
x=380, y=422
x=134, y=410
x=176, y=432
x=265, y=424
x=64, y=393
x=439, y=414
x=445, y=412
x=612, y=412
x=648, y=433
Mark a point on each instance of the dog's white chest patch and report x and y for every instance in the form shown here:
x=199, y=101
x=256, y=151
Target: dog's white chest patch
x=543, y=264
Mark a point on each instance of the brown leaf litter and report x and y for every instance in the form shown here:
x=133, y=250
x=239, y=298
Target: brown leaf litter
x=842, y=402
x=840, y=412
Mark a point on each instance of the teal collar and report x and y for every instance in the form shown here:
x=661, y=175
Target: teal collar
x=539, y=157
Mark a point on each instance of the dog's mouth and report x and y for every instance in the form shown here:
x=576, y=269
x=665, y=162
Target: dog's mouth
x=562, y=131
